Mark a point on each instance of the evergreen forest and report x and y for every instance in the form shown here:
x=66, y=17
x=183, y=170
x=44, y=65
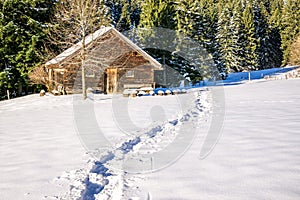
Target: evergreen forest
x=240, y=35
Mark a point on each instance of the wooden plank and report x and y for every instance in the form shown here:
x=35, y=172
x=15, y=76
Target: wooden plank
x=112, y=74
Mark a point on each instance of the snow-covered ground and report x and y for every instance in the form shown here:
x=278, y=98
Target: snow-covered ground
x=257, y=156
x=275, y=73
x=45, y=152
x=37, y=143
x=154, y=147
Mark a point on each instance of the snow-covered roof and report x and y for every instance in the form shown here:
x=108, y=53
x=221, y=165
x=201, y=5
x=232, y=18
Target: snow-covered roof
x=94, y=36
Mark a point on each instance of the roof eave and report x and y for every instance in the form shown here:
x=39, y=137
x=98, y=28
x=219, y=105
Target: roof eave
x=73, y=49
x=55, y=62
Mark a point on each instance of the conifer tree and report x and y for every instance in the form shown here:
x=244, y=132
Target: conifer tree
x=295, y=52
x=250, y=42
x=124, y=14
x=198, y=20
x=186, y=17
x=22, y=25
x=261, y=28
x=157, y=13
x=238, y=38
x=274, y=21
x=290, y=26
x=225, y=35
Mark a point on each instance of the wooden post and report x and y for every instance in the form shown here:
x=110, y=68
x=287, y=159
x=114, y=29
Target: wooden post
x=50, y=73
x=8, y=97
x=165, y=72
x=249, y=76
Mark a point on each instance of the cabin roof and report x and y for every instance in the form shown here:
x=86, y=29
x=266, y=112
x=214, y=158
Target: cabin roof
x=94, y=36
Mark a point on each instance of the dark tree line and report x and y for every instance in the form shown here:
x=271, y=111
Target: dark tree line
x=240, y=35
x=22, y=25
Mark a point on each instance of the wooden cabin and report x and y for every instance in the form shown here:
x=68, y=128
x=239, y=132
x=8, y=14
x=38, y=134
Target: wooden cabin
x=112, y=63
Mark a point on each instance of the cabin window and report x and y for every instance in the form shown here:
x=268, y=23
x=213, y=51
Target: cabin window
x=130, y=74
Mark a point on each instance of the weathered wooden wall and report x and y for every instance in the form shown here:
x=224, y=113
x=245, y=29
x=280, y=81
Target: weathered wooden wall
x=143, y=76
x=106, y=52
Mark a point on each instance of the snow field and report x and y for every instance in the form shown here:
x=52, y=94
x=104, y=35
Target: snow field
x=37, y=143
x=106, y=173
x=256, y=157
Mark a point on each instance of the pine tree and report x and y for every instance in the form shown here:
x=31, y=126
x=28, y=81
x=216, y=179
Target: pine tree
x=198, y=20
x=290, y=27
x=157, y=13
x=250, y=42
x=275, y=27
x=21, y=33
x=186, y=17
x=272, y=40
x=294, y=58
x=261, y=35
x=275, y=17
x=239, y=41
x=115, y=10
x=125, y=14
x=211, y=26
x=225, y=36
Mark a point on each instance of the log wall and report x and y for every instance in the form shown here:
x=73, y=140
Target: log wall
x=109, y=51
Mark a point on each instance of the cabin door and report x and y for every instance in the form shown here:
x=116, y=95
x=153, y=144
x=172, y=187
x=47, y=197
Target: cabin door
x=111, y=84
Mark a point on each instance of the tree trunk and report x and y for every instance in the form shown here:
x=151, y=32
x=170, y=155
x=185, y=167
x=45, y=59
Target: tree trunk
x=84, y=95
